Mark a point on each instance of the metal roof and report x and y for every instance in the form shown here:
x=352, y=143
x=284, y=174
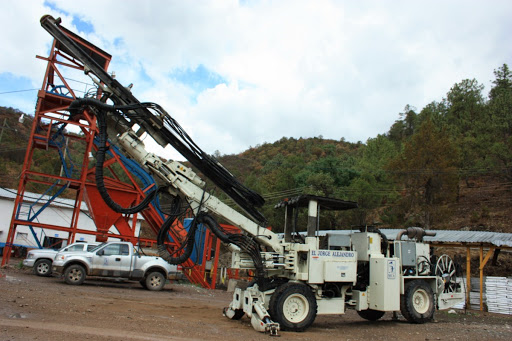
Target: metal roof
x=447, y=236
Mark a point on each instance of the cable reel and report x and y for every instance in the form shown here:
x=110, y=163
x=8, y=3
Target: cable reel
x=446, y=271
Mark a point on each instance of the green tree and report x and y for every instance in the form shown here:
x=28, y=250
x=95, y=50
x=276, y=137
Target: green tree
x=434, y=111
x=373, y=187
x=502, y=83
x=320, y=184
x=500, y=123
x=465, y=120
x=368, y=193
x=465, y=106
x=427, y=169
x=405, y=126
x=376, y=155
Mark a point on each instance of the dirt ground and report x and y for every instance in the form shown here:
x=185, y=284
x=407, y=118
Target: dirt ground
x=37, y=308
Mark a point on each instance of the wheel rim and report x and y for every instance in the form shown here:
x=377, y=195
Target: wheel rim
x=155, y=281
x=43, y=268
x=75, y=275
x=420, y=301
x=296, y=308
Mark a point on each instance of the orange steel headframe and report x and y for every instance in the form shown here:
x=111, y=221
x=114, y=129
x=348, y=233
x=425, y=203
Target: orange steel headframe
x=75, y=180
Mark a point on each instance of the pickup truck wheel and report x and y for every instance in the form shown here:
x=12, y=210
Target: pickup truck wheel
x=43, y=267
x=155, y=281
x=74, y=274
x=143, y=283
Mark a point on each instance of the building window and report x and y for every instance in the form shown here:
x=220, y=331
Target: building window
x=21, y=236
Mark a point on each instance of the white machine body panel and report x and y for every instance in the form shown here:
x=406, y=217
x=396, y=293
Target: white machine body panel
x=366, y=244
x=332, y=266
x=384, y=289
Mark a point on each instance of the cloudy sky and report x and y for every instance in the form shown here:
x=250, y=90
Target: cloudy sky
x=237, y=74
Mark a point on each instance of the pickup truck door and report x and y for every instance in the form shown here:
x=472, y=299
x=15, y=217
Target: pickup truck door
x=113, y=260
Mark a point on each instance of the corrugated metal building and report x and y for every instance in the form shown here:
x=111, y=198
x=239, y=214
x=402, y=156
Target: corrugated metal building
x=58, y=213
x=448, y=237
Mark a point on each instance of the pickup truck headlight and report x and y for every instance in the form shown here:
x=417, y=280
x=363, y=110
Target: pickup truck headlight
x=30, y=255
x=60, y=257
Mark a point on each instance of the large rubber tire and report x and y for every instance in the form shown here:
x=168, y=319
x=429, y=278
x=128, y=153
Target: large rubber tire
x=43, y=267
x=74, y=274
x=293, y=306
x=370, y=314
x=155, y=281
x=417, y=303
x=143, y=283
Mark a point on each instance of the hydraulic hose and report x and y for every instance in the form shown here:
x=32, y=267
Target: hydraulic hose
x=245, y=243
x=77, y=107
x=164, y=232
x=189, y=243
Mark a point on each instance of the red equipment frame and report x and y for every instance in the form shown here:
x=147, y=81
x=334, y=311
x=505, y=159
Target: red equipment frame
x=53, y=101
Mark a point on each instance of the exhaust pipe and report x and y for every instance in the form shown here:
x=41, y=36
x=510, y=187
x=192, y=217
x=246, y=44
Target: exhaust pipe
x=415, y=233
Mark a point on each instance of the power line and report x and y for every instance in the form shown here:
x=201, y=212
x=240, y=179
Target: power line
x=74, y=80
x=10, y=92
x=15, y=91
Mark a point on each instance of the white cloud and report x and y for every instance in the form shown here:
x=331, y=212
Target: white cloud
x=293, y=68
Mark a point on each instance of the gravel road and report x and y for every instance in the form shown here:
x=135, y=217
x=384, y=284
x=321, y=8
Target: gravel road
x=37, y=308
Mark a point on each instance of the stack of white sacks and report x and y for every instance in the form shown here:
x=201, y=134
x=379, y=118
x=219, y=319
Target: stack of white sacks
x=499, y=295
x=474, y=295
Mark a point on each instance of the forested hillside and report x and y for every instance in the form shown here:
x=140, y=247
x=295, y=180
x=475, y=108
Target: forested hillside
x=445, y=166
x=14, y=134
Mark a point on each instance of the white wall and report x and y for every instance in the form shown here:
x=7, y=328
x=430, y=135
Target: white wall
x=54, y=214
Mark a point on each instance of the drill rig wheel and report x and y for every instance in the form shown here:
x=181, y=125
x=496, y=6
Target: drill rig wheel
x=294, y=306
x=417, y=304
x=370, y=314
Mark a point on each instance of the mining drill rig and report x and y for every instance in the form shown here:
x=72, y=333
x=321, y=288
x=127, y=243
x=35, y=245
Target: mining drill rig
x=294, y=278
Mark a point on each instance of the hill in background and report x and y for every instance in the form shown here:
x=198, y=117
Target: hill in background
x=446, y=166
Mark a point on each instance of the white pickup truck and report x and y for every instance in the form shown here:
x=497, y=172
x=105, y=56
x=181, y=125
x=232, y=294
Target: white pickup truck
x=114, y=260
x=41, y=259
